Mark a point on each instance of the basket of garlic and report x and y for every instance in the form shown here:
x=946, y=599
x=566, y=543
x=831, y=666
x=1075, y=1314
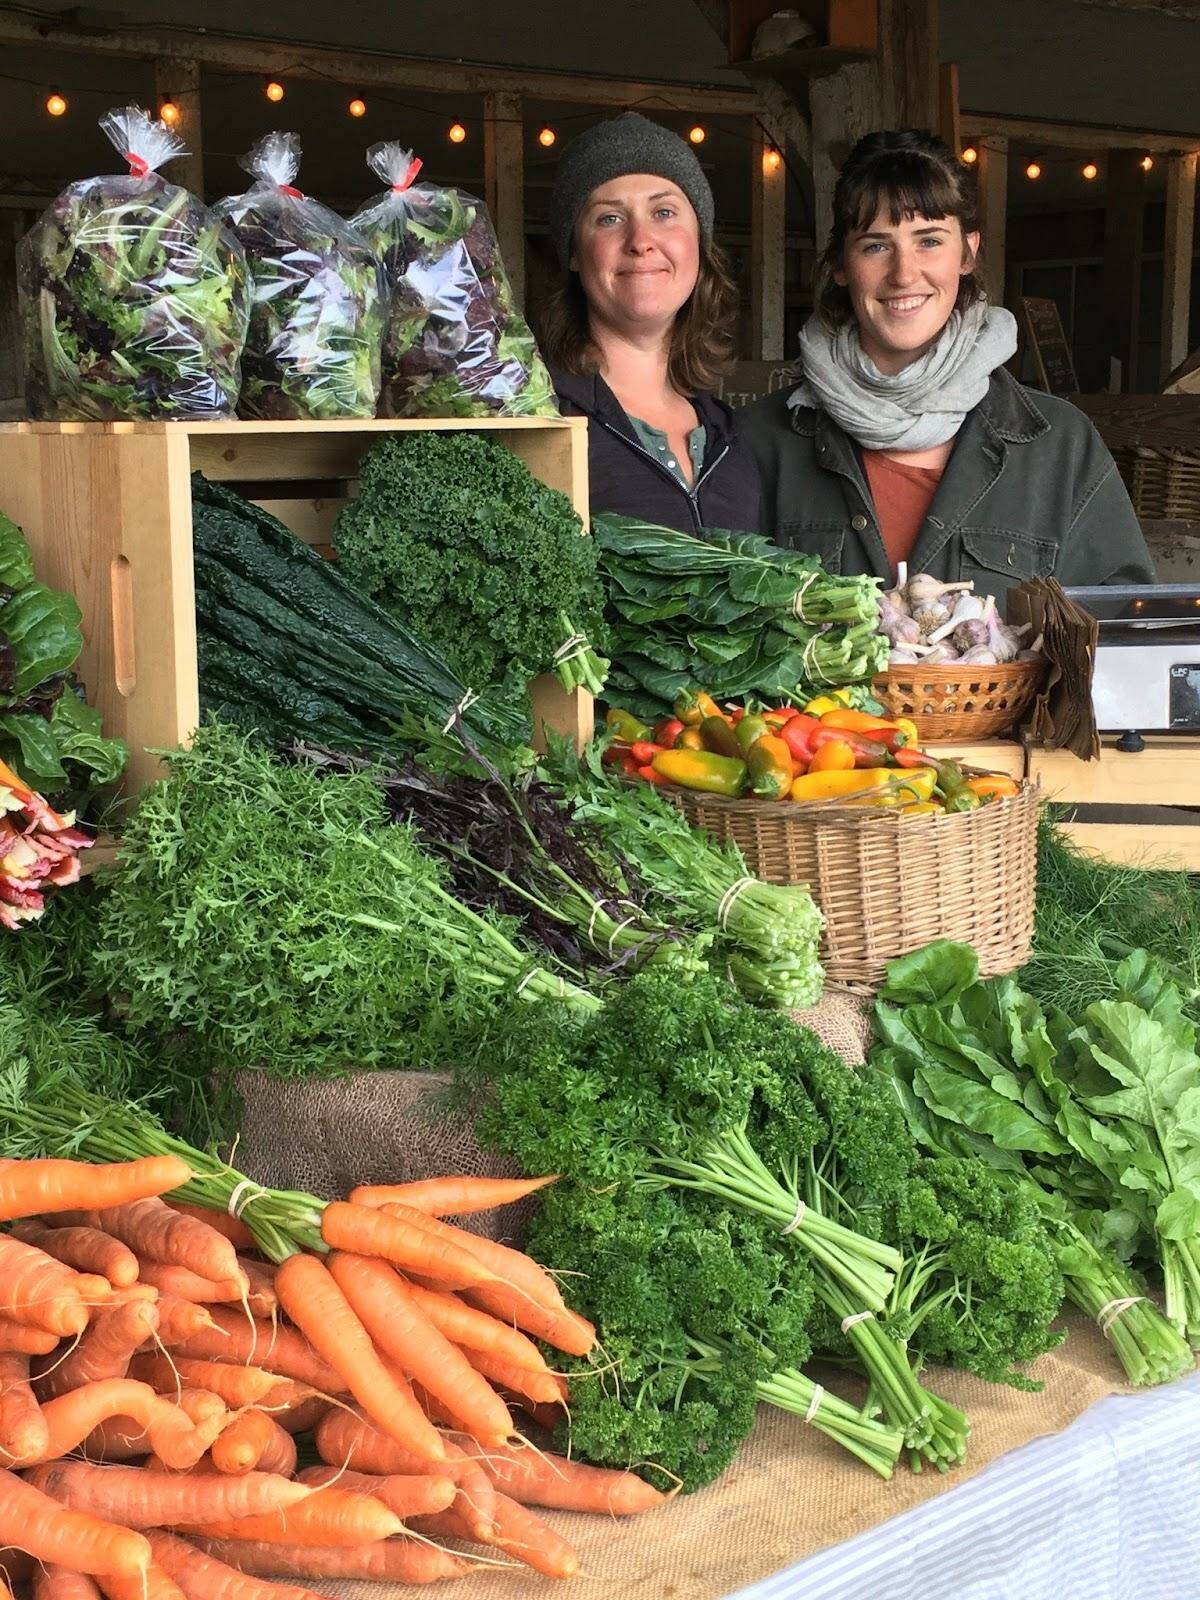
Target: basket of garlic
x=953, y=667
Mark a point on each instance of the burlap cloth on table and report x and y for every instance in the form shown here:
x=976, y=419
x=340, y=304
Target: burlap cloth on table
x=789, y=1493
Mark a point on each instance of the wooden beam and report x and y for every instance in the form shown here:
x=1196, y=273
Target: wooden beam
x=504, y=180
x=908, y=62
x=842, y=107
x=992, y=178
x=1124, y=196
x=949, y=123
x=1178, y=249
x=178, y=80
x=373, y=68
x=768, y=198
x=1075, y=135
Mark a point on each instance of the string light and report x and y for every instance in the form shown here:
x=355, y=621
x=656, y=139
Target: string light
x=547, y=137
x=169, y=113
x=697, y=134
x=1091, y=170
x=357, y=107
x=56, y=103
x=970, y=155
x=456, y=133
x=1147, y=163
x=772, y=160
x=1033, y=171
x=274, y=90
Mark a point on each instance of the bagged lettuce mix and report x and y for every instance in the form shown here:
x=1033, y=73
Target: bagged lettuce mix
x=455, y=344
x=316, y=317
x=134, y=296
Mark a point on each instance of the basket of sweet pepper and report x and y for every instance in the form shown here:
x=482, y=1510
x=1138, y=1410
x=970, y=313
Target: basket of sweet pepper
x=897, y=846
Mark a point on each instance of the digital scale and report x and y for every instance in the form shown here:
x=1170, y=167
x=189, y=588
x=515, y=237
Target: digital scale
x=1147, y=676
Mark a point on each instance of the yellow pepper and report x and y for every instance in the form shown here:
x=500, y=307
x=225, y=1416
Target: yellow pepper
x=624, y=725
x=830, y=785
x=920, y=808
x=822, y=705
x=701, y=769
x=917, y=784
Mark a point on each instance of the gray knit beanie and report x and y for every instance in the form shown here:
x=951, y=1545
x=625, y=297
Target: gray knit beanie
x=628, y=143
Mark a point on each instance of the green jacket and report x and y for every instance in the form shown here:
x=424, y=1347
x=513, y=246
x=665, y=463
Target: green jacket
x=1030, y=490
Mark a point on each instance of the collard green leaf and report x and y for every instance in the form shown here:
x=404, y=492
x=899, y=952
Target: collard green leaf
x=938, y=973
x=1178, y=1217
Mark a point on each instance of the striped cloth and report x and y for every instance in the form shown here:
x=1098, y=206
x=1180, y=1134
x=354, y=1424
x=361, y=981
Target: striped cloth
x=1107, y=1510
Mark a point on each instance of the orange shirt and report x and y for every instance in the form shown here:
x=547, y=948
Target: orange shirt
x=902, y=496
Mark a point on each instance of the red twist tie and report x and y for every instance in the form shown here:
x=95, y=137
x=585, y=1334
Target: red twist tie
x=139, y=167
x=292, y=194
x=414, y=166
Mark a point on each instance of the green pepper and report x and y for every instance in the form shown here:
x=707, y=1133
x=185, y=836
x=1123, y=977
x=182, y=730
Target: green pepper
x=625, y=725
x=720, y=738
x=962, y=800
x=950, y=777
x=750, y=729
x=702, y=769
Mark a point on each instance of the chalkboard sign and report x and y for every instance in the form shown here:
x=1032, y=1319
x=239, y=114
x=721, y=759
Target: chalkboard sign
x=1043, y=330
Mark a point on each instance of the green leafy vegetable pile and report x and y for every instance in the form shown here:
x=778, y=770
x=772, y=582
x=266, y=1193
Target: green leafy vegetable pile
x=288, y=648
x=455, y=537
x=317, y=310
x=134, y=298
x=732, y=611
x=48, y=735
x=1095, y=1119
x=455, y=343
x=733, y=1198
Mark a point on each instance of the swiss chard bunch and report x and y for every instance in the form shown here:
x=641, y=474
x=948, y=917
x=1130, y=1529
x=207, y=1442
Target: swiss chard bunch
x=454, y=536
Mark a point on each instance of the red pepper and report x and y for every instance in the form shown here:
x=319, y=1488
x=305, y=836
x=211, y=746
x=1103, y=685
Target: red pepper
x=628, y=765
x=797, y=733
x=615, y=755
x=649, y=774
x=667, y=731
x=912, y=758
x=786, y=712
x=736, y=715
x=643, y=751
x=867, y=752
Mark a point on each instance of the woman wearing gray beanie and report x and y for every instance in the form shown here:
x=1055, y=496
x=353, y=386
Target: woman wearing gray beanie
x=641, y=327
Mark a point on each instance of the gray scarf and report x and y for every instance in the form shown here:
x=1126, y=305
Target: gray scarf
x=919, y=407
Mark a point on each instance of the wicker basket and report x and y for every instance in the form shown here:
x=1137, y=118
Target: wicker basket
x=1164, y=484
x=960, y=703
x=887, y=883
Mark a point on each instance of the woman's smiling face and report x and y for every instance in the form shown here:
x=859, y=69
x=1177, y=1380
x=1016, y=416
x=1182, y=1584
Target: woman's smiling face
x=903, y=280
x=637, y=252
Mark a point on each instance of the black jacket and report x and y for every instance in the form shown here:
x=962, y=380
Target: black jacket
x=1029, y=491
x=624, y=477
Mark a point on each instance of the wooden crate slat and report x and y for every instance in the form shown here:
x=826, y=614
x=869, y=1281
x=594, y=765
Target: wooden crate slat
x=1140, y=846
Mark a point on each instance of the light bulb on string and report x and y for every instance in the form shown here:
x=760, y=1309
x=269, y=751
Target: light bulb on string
x=169, y=113
x=970, y=155
x=456, y=133
x=357, y=107
x=1091, y=171
x=547, y=137
x=1033, y=171
x=1147, y=163
x=56, y=104
x=697, y=134
x=274, y=90
x=772, y=160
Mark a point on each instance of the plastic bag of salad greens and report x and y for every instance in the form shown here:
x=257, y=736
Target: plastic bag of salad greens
x=316, y=316
x=456, y=344
x=134, y=296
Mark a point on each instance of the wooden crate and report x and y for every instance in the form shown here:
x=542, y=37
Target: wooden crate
x=106, y=508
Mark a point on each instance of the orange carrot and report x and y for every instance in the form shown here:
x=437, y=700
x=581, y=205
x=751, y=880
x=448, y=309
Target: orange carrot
x=34, y=1522
x=33, y=1188
x=181, y=1319
x=233, y=1228
x=543, y=1388
x=236, y=1386
x=376, y=1294
x=38, y=1291
x=59, y=1583
x=23, y=1432
x=260, y=1277
x=542, y=1479
x=473, y=1329
x=326, y=1517
x=564, y=1329
x=16, y=1566
x=312, y=1299
x=16, y=1338
x=283, y=1395
x=503, y=1262
x=449, y=1197
x=186, y=1285
x=417, y=1496
x=241, y=1446
x=404, y=1237
x=85, y=1249
x=172, y=1435
x=518, y=1533
x=203, y=1577
x=300, y=1418
x=153, y=1584
x=153, y=1229
x=260, y=1344
x=393, y=1560
x=137, y=1498
x=106, y=1349
x=116, y=1439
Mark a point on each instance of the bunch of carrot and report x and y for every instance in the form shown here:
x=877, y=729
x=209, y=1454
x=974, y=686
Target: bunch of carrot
x=154, y=1376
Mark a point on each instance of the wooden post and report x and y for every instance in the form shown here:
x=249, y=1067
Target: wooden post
x=842, y=106
x=179, y=82
x=504, y=180
x=768, y=191
x=949, y=125
x=992, y=170
x=1123, y=259
x=1178, y=247
x=908, y=63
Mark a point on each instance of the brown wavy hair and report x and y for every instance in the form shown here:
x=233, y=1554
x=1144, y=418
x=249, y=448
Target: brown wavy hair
x=907, y=174
x=703, y=337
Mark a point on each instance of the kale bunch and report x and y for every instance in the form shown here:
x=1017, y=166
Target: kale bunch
x=134, y=296
x=455, y=537
x=456, y=344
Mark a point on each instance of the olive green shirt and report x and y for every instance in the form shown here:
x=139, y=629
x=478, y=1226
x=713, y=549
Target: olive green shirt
x=656, y=442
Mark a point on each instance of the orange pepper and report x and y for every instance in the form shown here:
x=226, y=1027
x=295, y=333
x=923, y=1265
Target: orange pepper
x=995, y=786
x=836, y=756
x=771, y=770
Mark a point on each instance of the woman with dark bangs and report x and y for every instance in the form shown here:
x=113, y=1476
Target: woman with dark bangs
x=907, y=441
x=641, y=327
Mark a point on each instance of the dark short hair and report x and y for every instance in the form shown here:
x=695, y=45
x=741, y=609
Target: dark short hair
x=908, y=174
x=703, y=338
